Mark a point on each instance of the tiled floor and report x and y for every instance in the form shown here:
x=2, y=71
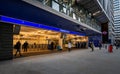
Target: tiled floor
x=74, y=62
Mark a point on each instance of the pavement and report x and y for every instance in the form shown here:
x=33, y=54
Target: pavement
x=74, y=62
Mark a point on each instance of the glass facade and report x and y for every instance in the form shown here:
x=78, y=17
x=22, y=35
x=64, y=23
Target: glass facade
x=77, y=12
x=117, y=18
x=108, y=8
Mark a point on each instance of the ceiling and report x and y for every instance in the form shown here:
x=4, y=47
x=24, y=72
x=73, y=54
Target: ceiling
x=34, y=31
x=93, y=7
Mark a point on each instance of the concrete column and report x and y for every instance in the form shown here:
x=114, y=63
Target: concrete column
x=61, y=40
x=6, y=41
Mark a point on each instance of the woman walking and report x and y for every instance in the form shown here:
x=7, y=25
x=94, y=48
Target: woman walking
x=69, y=46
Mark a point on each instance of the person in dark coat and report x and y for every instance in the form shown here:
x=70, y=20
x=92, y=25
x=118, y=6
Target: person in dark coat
x=100, y=45
x=92, y=46
x=52, y=45
x=25, y=46
x=18, y=47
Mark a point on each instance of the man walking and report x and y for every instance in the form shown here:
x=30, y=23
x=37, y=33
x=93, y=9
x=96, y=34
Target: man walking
x=18, y=47
x=92, y=46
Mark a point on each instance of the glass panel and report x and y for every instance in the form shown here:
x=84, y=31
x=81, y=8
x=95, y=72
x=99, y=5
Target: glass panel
x=71, y=12
x=55, y=6
x=77, y=12
x=56, y=0
x=82, y=16
x=64, y=10
x=74, y=17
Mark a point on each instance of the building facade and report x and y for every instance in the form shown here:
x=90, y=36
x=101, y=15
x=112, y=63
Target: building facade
x=117, y=19
x=89, y=18
x=108, y=8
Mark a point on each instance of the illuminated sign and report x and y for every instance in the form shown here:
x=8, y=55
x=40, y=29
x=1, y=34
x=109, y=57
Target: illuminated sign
x=64, y=31
x=27, y=23
x=104, y=32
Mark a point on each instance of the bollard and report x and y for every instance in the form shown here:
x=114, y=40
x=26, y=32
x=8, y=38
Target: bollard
x=110, y=49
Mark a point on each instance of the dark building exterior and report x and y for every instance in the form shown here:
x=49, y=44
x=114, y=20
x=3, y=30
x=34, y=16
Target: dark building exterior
x=81, y=17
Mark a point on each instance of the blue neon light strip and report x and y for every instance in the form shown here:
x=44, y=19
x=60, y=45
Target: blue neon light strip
x=27, y=23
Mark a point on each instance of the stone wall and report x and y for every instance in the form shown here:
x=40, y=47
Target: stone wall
x=6, y=41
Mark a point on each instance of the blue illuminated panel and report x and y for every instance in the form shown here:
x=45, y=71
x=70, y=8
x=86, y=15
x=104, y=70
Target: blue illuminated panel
x=27, y=23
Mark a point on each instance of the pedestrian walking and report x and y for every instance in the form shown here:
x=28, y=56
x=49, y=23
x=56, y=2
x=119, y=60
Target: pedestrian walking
x=69, y=46
x=92, y=46
x=110, y=49
x=18, y=47
x=25, y=46
x=59, y=47
x=52, y=45
x=117, y=46
x=100, y=45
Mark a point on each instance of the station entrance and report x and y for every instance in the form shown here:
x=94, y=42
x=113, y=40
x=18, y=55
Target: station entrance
x=42, y=40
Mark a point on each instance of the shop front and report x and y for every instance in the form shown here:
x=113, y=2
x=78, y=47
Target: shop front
x=44, y=40
x=40, y=37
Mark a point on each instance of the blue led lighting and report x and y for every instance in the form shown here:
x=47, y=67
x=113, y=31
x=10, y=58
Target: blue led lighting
x=27, y=23
x=61, y=30
x=11, y=20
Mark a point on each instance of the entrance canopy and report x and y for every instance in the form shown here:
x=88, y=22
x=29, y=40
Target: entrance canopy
x=18, y=9
x=36, y=25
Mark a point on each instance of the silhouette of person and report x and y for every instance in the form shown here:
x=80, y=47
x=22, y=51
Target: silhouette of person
x=92, y=46
x=52, y=45
x=25, y=46
x=100, y=45
x=18, y=47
